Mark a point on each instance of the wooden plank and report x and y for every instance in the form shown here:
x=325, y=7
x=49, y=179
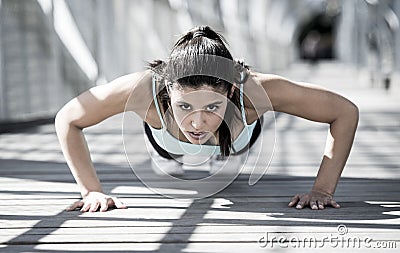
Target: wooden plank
x=200, y=229
x=171, y=237
x=350, y=200
x=268, y=217
x=358, y=171
x=264, y=204
x=80, y=247
x=262, y=189
x=235, y=211
x=209, y=247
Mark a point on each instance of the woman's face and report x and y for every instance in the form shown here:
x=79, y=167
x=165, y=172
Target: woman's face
x=198, y=112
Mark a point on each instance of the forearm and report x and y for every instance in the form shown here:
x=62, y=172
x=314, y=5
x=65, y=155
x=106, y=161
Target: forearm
x=76, y=153
x=338, y=146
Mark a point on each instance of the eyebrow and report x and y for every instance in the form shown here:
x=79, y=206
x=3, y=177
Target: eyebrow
x=213, y=103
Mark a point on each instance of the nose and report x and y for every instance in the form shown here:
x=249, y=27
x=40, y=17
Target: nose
x=198, y=120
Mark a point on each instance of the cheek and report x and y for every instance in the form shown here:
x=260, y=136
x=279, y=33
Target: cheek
x=215, y=120
x=179, y=116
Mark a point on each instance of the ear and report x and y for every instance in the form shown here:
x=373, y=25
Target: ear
x=230, y=94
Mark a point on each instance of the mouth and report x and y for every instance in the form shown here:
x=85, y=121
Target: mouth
x=197, y=135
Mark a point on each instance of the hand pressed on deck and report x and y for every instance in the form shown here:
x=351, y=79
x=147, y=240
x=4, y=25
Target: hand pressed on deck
x=314, y=199
x=94, y=200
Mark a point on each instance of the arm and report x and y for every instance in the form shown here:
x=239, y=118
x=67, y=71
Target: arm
x=317, y=104
x=87, y=109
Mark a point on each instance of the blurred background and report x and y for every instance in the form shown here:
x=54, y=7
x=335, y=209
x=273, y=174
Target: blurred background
x=51, y=50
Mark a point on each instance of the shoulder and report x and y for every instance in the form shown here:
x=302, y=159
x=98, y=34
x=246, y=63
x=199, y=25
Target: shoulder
x=260, y=93
x=140, y=99
x=140, y=94
x=302, y=99
x=102, y=101
x=124, y=86
x=273, y=90
x=135, y=90
x=269, y=82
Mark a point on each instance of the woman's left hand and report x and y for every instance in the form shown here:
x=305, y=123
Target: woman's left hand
x=314, y=199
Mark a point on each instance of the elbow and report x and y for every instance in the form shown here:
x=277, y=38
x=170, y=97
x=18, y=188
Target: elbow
x=66, y=120
x=347, y=115
x=60, y=121
x=353, y=114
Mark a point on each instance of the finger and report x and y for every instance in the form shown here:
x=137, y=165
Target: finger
x=302, y=202
x=76, y=204
x=85, y=207
x=94, y=207
x=294, y=200
x=300, y=205
x=118, y=204
x=334, y=204
x=103, y=205
x=313, y=205
x=320, y=204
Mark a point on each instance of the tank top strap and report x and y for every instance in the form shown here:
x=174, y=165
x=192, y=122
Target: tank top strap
x=242, y=105
x=156, y=101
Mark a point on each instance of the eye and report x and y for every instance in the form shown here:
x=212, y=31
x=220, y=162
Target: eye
x=212, y=108
x=185, y=107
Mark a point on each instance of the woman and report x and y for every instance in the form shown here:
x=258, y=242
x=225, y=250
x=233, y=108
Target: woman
x=198, y=98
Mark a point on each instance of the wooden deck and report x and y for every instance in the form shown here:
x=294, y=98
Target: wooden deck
x=36, y=186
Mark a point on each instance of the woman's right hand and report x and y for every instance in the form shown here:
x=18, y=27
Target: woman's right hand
x=94, y=200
